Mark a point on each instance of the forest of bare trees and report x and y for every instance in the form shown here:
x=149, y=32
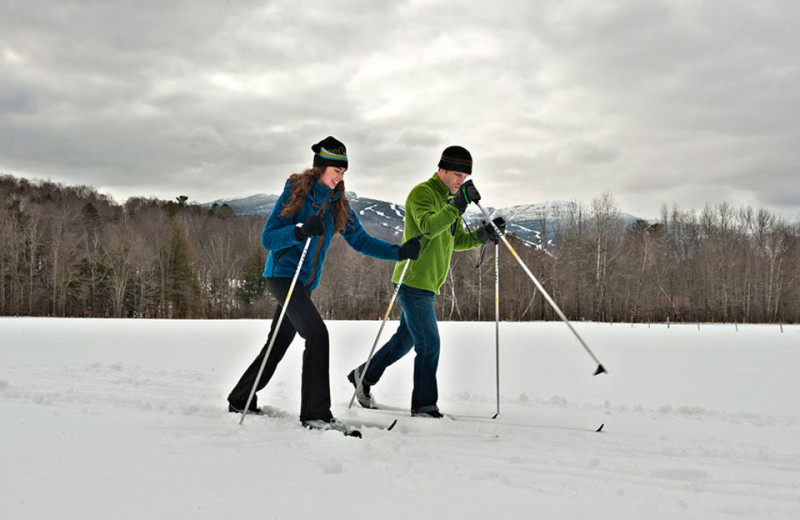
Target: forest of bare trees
x=69, y=251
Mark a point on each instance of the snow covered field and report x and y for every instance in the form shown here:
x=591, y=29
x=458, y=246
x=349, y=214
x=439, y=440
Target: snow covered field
x=126, y=419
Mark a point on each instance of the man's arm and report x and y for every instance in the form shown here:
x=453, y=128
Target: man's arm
x=421, y=206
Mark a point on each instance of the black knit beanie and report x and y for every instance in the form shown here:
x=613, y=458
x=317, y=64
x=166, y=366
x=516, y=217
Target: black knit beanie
x=456, y=158
x=330, y=152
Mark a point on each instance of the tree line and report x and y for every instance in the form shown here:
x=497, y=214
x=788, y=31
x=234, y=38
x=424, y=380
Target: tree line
x=70, y=251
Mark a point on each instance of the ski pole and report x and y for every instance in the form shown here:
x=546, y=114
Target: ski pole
x=497, y=321
x=600, y=368
x=276, y=329
x=282, y=314
x=360, y=374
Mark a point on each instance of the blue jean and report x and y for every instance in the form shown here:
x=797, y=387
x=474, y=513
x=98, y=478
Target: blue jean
x=418, y=329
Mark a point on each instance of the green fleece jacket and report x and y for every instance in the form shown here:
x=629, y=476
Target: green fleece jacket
x=428, y=213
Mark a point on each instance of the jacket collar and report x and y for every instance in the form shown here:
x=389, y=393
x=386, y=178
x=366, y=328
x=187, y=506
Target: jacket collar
x=322, y=192
x=438, y=186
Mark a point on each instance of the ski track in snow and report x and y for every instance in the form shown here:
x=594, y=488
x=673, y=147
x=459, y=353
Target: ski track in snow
x=105, y=418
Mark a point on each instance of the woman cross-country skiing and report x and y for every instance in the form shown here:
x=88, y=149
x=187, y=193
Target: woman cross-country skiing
x=313, y=205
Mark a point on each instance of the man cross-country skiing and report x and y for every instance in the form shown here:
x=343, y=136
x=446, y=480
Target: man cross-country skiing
x=433, y=209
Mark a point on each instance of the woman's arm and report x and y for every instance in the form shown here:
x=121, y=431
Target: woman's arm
x=355, y=235
x=279, y=230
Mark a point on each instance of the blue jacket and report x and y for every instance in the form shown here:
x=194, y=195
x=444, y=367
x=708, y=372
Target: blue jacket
x=284, y=249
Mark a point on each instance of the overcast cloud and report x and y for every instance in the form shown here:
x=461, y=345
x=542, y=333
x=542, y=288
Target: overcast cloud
x=682, y=102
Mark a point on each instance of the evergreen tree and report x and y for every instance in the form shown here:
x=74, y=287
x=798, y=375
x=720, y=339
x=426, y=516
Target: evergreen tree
x=183, y=288
x=253, y=285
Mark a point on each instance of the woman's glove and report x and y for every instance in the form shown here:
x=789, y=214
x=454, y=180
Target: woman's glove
x=409, y=249
x=314, y=226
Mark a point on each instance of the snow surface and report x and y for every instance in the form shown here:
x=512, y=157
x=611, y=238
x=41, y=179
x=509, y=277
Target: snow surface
x=126, y=419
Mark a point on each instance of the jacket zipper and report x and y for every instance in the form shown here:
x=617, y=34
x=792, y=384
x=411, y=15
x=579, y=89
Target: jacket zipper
x=320, y=241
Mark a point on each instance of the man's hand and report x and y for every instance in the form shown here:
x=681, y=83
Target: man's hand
x=487, y=232
x=466, y=193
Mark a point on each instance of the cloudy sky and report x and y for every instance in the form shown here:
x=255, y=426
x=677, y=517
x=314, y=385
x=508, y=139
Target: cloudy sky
x=685, y=102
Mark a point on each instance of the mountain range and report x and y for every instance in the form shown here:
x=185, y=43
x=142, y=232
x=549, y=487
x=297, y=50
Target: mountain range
x=385, y=219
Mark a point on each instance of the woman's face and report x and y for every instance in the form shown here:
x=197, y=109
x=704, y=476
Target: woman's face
x=332, y=176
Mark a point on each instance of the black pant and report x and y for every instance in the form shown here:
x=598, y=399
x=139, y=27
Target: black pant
x=302, y=318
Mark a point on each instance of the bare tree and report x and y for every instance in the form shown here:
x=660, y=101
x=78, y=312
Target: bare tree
x=72, y=252
x=607, y=230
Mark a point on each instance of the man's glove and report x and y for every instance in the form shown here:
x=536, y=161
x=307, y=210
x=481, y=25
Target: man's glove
x=409, y=249
x=487, y=232
x=466, y=193
x=314, y=226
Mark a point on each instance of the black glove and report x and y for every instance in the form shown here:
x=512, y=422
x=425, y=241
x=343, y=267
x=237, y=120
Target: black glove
x=314, y=226
x=409, y=249
x=487, y=232
x=466, y=193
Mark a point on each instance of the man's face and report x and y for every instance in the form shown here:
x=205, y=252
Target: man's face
x=453, y=179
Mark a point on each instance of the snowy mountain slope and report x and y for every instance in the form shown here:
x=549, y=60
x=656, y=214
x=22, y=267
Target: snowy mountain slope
x=259, y=204
x=125, y=419
x=530, y=222
x=384, y=219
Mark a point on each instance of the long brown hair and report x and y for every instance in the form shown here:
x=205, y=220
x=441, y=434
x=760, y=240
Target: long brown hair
x=301, y=186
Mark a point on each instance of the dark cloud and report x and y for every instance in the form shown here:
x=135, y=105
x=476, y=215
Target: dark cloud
x=654, y=101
